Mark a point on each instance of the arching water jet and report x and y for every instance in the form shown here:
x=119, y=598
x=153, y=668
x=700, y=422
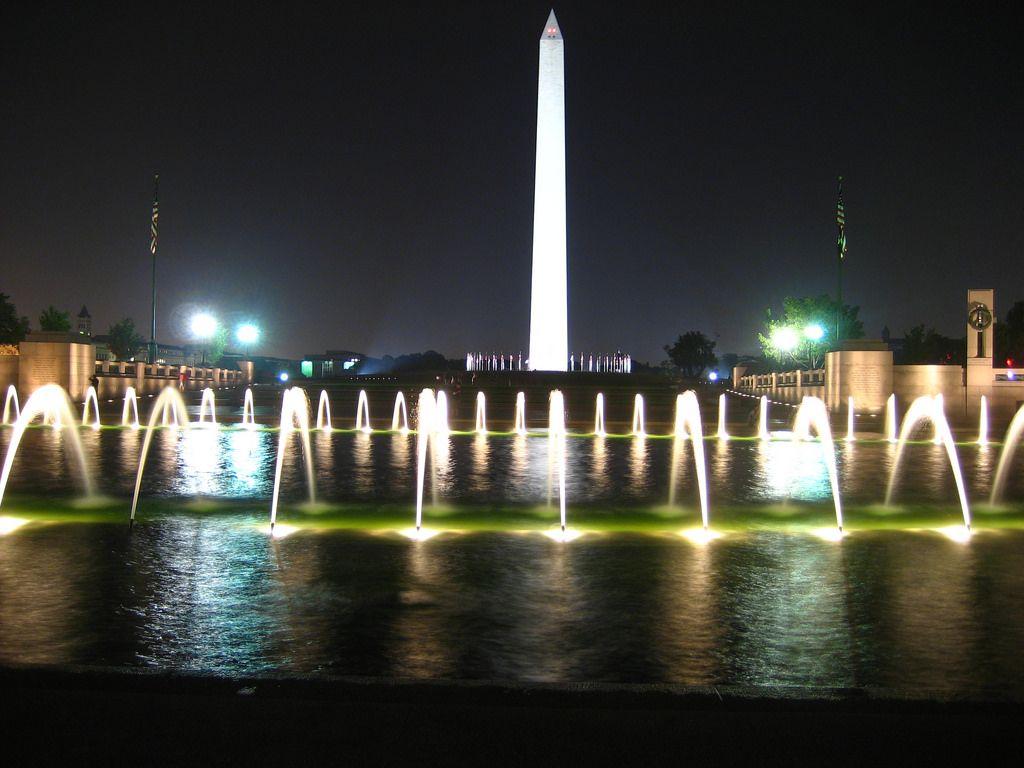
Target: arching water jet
x=812, y=414
x=426, y=435
x=638, y=416
x=323, y=413
x=556, y=447
x=11, y=398
x=599, y=415
x=248, y=410
x=1010, y=443
x=481, y=414
x=441, y=414
x=51, y=403
x=130, y=409
x=294, y=415
x=169, y=400
x=762, y=422
x=890, y=418
x=926, y=407
x=688, y=424
x=91, y=399
x=520, y=423
x=208, y=404
x=400, y=417
x=723, y=433
x=363, y=413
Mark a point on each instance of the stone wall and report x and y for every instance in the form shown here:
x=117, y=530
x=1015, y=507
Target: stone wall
x=56, y=358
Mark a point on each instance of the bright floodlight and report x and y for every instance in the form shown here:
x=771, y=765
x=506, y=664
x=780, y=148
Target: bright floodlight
x=283, y=376
x=784, y=339
x=247, y=334
x=814, y=332
x=204, y=325
x=713, y=376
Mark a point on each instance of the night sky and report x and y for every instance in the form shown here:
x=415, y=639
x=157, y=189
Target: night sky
x=364, y=179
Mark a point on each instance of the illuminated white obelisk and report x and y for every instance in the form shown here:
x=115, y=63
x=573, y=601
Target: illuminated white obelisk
x=549, y=334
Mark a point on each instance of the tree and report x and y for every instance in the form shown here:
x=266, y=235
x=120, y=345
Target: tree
x=12, y=328
x=1009, y=337
x=54, y=320
x=125, y=341
x=216, y=345
x=805, y=330
x=692, y=353
x=929, y=347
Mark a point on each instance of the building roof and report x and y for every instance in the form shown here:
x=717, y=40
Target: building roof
x=84, y=312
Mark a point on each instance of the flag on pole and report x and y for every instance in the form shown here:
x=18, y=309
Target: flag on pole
x=156, y=215
x=841, y=222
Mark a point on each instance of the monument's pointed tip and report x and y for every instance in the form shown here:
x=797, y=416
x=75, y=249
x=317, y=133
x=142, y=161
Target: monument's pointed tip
x=551, y=30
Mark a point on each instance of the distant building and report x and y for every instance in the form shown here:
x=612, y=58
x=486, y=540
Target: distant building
x=85, y=322
x=334, y=362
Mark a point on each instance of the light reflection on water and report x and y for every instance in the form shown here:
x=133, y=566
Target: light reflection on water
x=904, y=610
x=913, y=612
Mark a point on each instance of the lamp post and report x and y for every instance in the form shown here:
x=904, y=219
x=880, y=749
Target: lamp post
x=247, y=334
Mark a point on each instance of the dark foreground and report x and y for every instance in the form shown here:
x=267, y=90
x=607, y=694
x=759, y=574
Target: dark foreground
x=76, y=716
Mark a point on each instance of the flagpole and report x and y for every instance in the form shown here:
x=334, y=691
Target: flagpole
x=152, y=249
x=841, y=253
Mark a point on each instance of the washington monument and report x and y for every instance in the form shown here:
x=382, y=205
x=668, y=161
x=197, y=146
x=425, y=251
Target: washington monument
x=549, y=335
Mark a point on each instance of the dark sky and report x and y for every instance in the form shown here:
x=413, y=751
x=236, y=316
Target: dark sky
x=362, y=177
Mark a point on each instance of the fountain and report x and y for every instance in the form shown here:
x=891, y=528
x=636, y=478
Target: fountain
x=599, y=415
x=323, y=413
x=1010, y=443
x=556, y=447
x=762, y=424
x=926, y=407
x=363, y=413
x=130, y=409
x=440, y=424
x=890, y=419
x=12, y=397
x=688, y=423
x=169, y=400
x=248, y=410
x=850, y=416
x=294, y=415
x=208, y=403
x=813, y=414
x=983, y=422
x=723, y=434
x=400, y=424
x=940, y=404
x=91, y=399
x=426, y=433
x=51, y=403
x=520, y=422
x=638, y=416
x=481, y=414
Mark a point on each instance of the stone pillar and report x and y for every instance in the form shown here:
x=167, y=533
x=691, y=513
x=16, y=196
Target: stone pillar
x=861, y=369
x=737, y=375
x=67, y=359
x=981, y=322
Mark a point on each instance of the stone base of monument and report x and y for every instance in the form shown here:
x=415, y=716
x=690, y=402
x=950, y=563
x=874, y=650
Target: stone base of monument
x=861, y=369
x=68, y=359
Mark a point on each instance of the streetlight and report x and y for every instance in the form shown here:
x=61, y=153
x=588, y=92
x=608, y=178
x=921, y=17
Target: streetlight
x=247, y=334
x=203, y=326
x=814, y=332
x=785, y=339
